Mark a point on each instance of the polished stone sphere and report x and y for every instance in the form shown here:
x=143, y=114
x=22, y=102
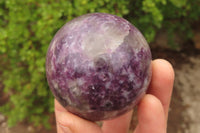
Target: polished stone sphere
x=98, y=66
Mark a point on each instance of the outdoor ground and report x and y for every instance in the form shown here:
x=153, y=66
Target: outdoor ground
x=184, y=116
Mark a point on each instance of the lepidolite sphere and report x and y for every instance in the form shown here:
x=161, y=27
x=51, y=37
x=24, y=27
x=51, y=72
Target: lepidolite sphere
x=98, y=66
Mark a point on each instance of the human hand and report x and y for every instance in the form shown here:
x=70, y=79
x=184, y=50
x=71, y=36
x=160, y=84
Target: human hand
x=152, y=109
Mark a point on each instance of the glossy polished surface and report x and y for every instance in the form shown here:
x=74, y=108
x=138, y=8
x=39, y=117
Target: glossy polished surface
x=98, y=66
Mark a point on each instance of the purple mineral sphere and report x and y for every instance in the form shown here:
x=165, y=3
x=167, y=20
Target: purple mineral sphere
x=98, y=66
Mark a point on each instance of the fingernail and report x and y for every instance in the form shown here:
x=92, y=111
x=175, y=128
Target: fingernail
x=65, y=129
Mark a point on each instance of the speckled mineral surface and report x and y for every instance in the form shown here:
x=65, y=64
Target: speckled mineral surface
x=98, y=66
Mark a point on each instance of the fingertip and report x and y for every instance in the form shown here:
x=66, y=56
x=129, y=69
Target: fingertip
x=150, y=116
x=165, y=68
x=149, y=105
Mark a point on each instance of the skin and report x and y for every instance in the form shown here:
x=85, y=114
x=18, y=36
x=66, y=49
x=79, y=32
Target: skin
x=152, y=109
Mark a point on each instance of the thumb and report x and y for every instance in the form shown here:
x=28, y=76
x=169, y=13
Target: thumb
x=69, y=123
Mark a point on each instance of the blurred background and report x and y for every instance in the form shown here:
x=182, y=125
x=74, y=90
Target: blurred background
x=172, y=28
